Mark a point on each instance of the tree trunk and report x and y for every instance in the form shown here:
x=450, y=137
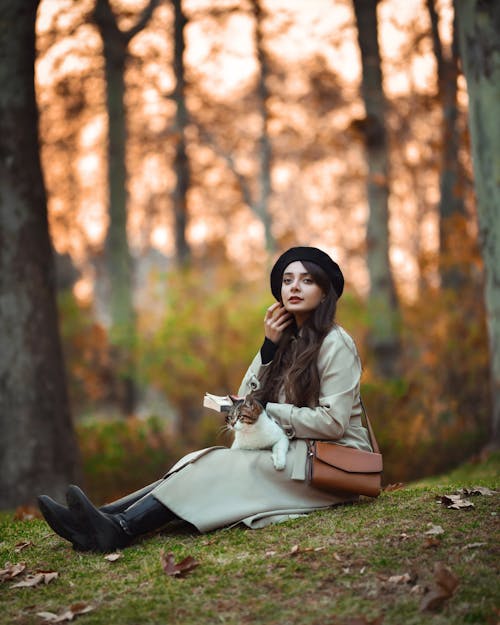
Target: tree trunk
x=38, y=449
x=479, y=37
x=452, y=215
x=382, y=300
x=117, y=252
x=265, y=151
x=181, y=161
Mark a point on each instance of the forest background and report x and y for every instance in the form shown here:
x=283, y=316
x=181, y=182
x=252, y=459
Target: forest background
x=158, y=155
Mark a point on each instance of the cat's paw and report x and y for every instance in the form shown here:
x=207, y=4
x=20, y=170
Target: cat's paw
x=279, y=463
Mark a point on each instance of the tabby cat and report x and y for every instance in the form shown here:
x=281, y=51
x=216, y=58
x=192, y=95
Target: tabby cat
x=254, y=429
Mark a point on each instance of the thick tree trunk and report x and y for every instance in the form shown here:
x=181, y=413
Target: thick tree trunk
x=38, y=450
x=452, y=215
x=382, y=301
x=181, y=161
x=265, y=150
x=117, y=252
x=479, y=35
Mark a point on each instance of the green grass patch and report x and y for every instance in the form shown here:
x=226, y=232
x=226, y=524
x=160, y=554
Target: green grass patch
x=328, y=567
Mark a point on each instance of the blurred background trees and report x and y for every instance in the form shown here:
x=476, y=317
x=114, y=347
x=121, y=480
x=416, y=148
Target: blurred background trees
x=38, y=448
x=184, y=143
x=382, y=300
x=479, y=27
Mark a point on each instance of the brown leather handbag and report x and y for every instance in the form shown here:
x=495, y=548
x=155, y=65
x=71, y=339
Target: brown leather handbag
x=340, y=469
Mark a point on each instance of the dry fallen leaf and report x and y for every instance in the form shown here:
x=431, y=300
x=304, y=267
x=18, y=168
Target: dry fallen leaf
x=11, y=570
x=176, y=570
x=22, y=545
x=26, y=513
x=406, y=578
x=431, y=541
x=34, y=579
x=477, y=490
x=392, y=487
x=48, y=617
x=294, y=550
x=112, y=557
x=435, y=530
x=68, y=615
x=445, y=584
x=455, y=502
x=474, y=545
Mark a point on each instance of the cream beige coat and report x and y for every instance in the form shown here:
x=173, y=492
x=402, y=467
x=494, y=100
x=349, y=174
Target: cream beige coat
x=216, y=487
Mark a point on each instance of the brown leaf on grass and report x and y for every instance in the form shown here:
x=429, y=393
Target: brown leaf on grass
x=112, y=557
x=431, y=541
x=176, y=570
x=34, y=579
x=477, y=490
x=391, y=487
x=296, y=549
x=22, y=545
x=474, y=545
x=68, y=615
x=455, y=502
x=406, y=578
x=434, y=530
x=444, y=586
x=26, y=513
x=11, y=570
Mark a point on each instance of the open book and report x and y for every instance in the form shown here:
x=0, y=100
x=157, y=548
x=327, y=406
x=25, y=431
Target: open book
x=220, y=403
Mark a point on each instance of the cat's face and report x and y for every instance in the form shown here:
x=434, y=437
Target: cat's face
x=243, y=413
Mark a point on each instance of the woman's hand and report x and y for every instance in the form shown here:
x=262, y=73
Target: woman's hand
x=276, y=320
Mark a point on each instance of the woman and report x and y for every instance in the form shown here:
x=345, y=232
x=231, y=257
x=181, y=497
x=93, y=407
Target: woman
x=307, y=374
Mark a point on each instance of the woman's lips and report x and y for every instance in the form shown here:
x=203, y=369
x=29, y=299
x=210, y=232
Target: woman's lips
x=294, y=300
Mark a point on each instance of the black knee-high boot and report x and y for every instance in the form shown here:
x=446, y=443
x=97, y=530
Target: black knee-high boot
x=107, y=532
x=60, y=519
x=63, y=522
x=124, y=502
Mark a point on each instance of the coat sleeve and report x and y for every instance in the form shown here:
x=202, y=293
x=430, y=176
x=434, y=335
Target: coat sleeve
x=340, y=371
x=253, y=376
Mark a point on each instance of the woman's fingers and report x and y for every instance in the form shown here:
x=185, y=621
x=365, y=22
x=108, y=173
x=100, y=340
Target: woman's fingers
x=277, y=318
x=270, y=310
x=283, y=322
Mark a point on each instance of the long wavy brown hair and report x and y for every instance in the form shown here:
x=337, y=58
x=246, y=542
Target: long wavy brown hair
x=294, y=366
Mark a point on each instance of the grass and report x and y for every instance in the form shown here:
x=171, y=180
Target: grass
x=330, y=567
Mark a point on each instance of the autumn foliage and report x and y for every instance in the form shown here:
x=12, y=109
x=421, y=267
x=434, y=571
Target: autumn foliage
x=202, y=336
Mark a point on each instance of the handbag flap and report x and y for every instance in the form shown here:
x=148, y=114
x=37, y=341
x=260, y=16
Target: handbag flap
x=348, y=458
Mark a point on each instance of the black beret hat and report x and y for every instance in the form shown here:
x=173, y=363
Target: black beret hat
x=312, y=254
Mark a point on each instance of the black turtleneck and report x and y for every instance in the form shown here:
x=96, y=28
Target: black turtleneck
x=267, y=351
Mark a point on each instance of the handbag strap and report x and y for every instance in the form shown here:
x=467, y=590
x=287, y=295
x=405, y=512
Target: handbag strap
x=371, y=433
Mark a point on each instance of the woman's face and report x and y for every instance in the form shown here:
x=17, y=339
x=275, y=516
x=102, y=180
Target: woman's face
x=299, y=293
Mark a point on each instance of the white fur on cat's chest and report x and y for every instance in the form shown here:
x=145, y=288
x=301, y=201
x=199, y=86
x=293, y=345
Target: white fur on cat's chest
x=263, y=434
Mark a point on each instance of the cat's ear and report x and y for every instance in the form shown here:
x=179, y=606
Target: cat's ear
x=252, y=400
